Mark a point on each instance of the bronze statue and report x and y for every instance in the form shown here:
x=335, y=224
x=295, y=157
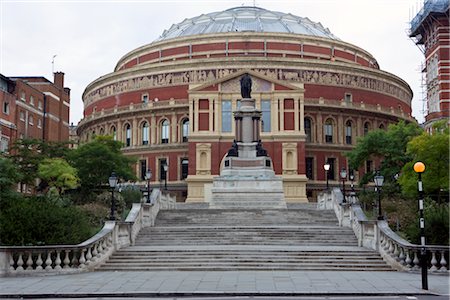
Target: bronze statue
x=246, y=86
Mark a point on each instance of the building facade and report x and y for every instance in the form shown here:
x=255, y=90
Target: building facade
x=171, y=102
x=34, y=108
x=430, y=29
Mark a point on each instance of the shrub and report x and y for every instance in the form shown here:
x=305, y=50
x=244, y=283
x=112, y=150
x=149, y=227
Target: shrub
x=40, y=221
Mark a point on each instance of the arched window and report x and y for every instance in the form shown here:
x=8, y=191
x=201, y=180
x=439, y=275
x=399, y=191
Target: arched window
x=348, y=132
x=366, y=128
x=102, y=131
x=113, y=131
x=308, y=130
x=145, y=133
x=328, y=131
x=185, y=130
x=128, y=135
x=165, y=132
x=381, y=126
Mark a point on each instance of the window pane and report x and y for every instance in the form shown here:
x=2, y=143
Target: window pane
x=266, y=115
x=165, y=132
x=226, y=116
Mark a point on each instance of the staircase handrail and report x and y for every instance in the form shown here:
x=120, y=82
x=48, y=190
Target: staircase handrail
x=87, y=255
x=377, y=235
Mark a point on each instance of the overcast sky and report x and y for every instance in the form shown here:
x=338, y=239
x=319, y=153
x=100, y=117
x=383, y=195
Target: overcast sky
x=89, y=37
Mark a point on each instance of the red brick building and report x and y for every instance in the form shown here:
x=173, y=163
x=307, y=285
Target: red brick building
x=430, y=28
x=171, y=102
x=33, y=107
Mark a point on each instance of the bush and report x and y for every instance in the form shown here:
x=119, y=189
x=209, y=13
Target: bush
x=105, y=200
x=41, y=221
x=131, y=194
x=436, y=224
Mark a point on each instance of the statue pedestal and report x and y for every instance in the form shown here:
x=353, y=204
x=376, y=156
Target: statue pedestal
x=247, y=180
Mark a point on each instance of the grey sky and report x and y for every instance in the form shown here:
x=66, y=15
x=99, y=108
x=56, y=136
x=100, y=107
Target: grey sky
x=89, y=37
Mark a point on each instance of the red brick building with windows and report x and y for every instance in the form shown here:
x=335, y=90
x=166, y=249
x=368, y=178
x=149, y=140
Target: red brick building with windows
x=171, y=102
x=33, y=107
x=430, y=28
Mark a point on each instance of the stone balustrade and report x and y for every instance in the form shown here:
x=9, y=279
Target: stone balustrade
x=376, y=234
x=63, y=259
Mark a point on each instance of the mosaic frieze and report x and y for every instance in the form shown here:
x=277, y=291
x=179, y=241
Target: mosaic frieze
x=204, y=76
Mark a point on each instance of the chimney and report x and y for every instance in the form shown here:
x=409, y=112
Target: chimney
x=59, y=79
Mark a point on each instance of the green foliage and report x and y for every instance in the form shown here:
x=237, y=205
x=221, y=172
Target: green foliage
x=40, y=221
x=389, y=146
x=96, y=161
x=433, y=151
x=436, y=224
x=9, y=176
x=58, y=174
x=131, y=195
x=105, y=199
x=26, y=155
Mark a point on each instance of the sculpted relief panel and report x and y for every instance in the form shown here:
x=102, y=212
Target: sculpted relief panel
x=203, y=76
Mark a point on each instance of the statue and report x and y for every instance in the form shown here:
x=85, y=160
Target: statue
x=260, y=151
x=233, y=150
x=246, y=86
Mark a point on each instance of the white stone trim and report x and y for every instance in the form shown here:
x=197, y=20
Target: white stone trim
x=52, y=117
x=28, y=107
x=66, y=103
x=7, y=123
x=52, y=95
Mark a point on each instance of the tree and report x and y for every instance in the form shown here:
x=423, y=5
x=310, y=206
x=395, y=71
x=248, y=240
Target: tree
x=57, y=173
x=433, y=151
x=9, y=177
x=96, y=161
x=26, y=155
x=389, y=146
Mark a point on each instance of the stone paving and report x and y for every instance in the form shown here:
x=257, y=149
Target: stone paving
x=264, y=283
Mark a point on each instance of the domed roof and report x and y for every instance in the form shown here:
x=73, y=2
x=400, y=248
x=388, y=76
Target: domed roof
x=245, y=19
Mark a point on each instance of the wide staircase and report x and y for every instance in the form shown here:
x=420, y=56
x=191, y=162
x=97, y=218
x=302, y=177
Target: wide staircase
x=297, y=238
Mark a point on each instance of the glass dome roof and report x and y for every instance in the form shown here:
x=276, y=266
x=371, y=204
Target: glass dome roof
x=246, y=19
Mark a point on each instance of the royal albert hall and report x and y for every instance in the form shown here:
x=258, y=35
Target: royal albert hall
x=171, y=102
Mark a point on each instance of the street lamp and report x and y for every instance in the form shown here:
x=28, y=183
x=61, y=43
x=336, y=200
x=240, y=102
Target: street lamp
x=165, y=166
x=112, y=183
x=379, y=179
x=327, y=168
x=419, y=168
x=352, y=178
x=343, y=174
x=148, y=176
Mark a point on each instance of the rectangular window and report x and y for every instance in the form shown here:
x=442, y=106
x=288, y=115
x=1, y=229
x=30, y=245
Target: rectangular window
x=145, y=98
x=369, y=166
x=226, y=115
x=266, y=115
x=6, y=108
x=328, y=128
x=39, y=125
x=184, y=168
x=32, y=100
x=348, y=97
x=4, y=144
x=309, y=162
x=332, y=162
x=22, y=116
x=143, y=165
x=40, y=105
x=22, y=96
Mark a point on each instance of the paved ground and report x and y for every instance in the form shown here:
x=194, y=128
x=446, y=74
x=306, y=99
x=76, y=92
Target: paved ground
x=237, y=283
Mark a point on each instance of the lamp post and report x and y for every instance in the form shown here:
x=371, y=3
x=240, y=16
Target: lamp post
x=327, y=168
x=148, y=176
x=112, y=184
x=419, y=168
x=352, y=178
x=165, y=166
x=379, y=179
x=343, y=174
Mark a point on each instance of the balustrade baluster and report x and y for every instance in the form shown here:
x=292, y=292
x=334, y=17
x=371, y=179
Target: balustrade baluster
x=20, y=263
x=48, y=261
x=30, y=261
x=416, y=260
x=401, y=257
x=39, y=262
x=396, y=252
x=58, y=260
x=94, y=252
x=66, y=260
x=443, y=263
x=386, y=244
x=433, y=261
x=82, y=260
x=75, y=260
x=391, y=247
x=100, y=248
x=88, y=256
x=408, y=259
x=11, y=262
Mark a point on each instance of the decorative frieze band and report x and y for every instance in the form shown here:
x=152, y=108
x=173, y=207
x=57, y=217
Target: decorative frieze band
x=203, y=76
